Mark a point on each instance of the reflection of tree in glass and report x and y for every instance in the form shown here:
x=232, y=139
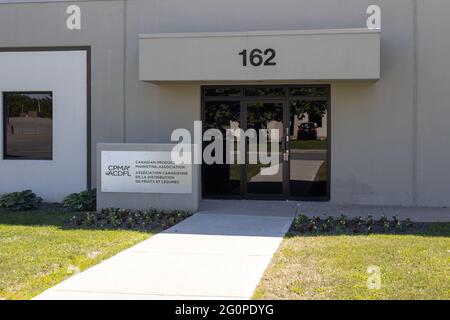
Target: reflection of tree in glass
x=21, y=105
x=219, y=115
x=301, y=108
x=260, y=114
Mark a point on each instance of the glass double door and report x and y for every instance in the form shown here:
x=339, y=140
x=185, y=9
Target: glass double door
x=279, y=147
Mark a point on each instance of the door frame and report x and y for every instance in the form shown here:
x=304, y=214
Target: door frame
x=286, y=98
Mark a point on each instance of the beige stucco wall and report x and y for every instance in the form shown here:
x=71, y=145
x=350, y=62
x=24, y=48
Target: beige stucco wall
x=433, y=108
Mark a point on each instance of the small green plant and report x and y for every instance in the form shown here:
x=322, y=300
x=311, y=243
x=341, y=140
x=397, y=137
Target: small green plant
x=20, y=201
x=370, y=224
x=384, y=223
x=408, y=224
x=312, y=226
x=358, y=220
x=302, y=219
x=299, y=223
x=357, y=224
x=397, y=224
x=83, y=201
x=316, y=219
x=343, y=221
x=90, y=219
x=328, y=225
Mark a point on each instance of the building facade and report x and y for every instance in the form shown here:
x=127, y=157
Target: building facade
x=364, y=113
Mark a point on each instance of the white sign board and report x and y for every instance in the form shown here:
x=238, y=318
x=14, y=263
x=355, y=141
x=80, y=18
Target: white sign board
x=144, y=172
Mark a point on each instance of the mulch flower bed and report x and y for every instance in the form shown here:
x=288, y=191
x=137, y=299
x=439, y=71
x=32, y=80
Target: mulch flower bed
x=316, y=225
x=125, y=219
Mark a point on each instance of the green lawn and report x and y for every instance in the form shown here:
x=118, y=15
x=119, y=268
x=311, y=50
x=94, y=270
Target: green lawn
x=335, y=267
x=36, y=252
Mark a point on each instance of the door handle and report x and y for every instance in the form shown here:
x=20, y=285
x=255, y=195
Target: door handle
x=286, y=146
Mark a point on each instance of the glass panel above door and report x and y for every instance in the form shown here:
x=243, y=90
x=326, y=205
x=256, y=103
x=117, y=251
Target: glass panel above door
x=222, y=92
x=308, y=91
x=265, y=92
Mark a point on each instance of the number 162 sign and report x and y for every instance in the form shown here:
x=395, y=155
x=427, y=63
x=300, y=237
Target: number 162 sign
x=258, y=57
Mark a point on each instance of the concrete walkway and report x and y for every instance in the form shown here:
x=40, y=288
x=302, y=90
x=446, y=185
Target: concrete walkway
x=219, y=253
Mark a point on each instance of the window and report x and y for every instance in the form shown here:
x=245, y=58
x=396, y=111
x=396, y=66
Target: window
x=28, y=125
